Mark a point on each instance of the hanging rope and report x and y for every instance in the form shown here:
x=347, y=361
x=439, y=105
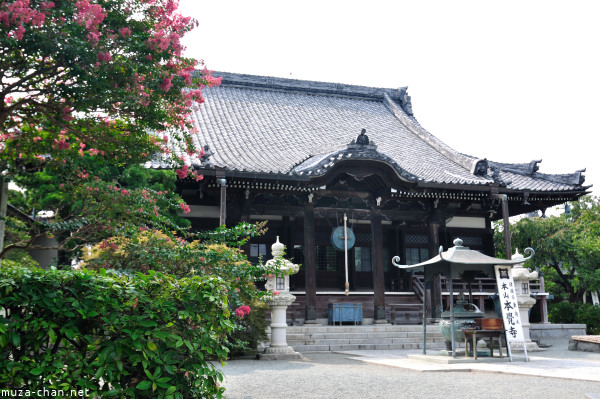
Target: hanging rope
x=347, y=284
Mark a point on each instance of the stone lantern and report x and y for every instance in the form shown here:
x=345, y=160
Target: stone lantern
x=278, y=285
x=522, y=276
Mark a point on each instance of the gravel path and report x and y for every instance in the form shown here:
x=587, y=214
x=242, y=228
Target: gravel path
x=332, y=375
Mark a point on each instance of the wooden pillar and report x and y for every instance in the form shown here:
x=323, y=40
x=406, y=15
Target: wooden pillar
x=436, y=284
x=223, y=202
x=310, y=264
x=506, y=225
x=378, y=272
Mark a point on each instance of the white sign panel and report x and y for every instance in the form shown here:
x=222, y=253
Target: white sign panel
x=508, y=304
x=595, y=298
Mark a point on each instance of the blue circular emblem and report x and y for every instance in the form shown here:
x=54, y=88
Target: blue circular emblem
x=337, y=238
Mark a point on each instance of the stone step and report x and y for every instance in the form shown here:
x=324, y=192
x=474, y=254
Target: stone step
x=349, y=347
x=367, y=328
x=361, y=342
x=361, y=335
x=318, y=338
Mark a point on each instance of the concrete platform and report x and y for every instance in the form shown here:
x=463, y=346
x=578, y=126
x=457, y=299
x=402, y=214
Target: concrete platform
x=556, y=362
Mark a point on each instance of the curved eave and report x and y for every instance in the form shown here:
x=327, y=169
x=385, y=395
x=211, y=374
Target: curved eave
x=330, y=163
x=459, y=255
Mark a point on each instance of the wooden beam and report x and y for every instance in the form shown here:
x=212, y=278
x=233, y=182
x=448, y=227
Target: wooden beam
x=310, y=264
x=378, y=272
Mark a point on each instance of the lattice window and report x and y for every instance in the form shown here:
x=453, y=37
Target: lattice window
x=258, y=252
x=362, y=259
x=416, y=239
x=472, y=241
x=416, y=255
x=298, y=255
x=363, y=238
x=326, y=258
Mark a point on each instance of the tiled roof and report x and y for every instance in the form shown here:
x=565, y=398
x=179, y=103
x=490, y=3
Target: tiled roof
x=298, y=128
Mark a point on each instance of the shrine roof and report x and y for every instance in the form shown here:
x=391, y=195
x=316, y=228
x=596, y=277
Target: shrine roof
x=264, y=125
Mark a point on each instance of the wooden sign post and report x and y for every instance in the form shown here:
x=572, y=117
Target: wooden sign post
x=510, y=308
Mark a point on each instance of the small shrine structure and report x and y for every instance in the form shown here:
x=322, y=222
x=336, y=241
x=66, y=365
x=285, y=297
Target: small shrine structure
x=451, y=263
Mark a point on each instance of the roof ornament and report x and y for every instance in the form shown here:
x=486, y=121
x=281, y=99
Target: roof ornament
x=579, y=177
x=533, y=167
x=497, y=178
x=206, y=153
x=363, y=138
x=405, y=100
x=481, y=167
x=362, y=142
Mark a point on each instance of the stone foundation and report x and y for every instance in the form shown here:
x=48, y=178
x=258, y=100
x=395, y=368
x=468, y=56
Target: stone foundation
x=585, y=343
x=550, y=331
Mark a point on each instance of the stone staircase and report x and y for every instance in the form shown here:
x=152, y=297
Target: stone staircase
x=324, y=338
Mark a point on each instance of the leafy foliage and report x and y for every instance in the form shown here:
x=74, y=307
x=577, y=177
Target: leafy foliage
x=85, y=77
x=576, y=313
x=87, y=209
x=145, y=336
x=567, y=248
x=206, y=257
x=87, y=90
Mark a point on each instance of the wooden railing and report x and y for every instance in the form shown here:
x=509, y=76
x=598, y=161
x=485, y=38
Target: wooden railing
x=483, y=285
x=418, y=287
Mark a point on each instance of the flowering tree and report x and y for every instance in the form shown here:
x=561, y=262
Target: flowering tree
x=82, y=83
x=92, y=78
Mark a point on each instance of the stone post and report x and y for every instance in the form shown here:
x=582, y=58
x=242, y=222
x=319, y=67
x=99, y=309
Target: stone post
x=278, y=284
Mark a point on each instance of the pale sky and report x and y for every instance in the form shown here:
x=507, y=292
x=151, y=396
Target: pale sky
x=510, y=81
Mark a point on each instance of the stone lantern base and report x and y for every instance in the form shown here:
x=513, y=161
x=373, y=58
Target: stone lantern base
x=281, y=353
x=279, y=349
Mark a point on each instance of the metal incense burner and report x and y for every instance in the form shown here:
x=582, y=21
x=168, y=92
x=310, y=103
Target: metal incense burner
x=464, y=316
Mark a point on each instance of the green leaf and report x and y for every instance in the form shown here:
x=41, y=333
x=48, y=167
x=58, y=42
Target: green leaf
x=148, y=323
x=142, y=386
x=99, y=372
x=171, y=389
x=152, y=346
x=37, y=371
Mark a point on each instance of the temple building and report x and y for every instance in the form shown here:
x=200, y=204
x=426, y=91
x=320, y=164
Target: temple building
x=303, y=155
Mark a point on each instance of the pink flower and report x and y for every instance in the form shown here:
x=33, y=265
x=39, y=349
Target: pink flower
x=276, y=292
x=184, y=207
x=166, y=84
x=242, y=311
x=125, y=32
x=104, y=57
x=183, y=172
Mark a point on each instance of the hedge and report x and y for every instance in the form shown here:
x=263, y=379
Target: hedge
x=576, y=313
x=148, y=335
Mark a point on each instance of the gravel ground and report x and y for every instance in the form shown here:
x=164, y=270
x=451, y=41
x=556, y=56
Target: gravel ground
x=332, y=375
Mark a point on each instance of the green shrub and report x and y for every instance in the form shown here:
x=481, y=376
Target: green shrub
x=250, y=330
x=576, y=313
x=590, y=315
x=562, y=312
x=143, y=336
